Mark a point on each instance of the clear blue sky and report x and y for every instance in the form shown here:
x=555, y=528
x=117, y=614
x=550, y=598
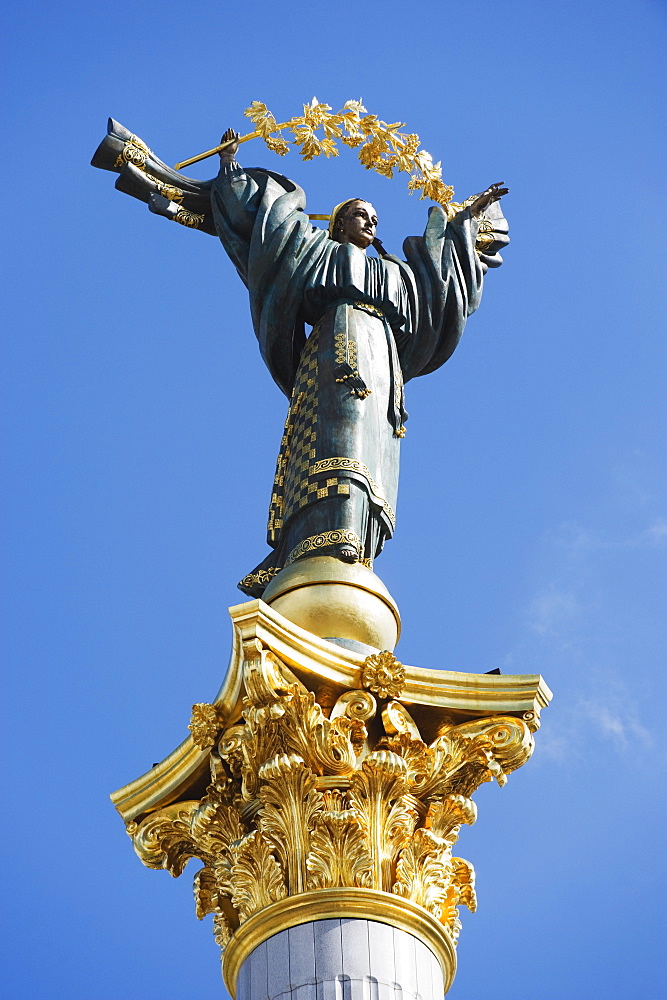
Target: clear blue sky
x=142, y=431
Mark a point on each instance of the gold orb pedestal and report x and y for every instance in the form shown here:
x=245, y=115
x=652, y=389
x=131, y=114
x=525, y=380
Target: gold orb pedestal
x=334, y=599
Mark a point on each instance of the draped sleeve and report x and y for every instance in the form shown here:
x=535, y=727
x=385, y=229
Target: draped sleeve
x=445, y=270
x=261, y=221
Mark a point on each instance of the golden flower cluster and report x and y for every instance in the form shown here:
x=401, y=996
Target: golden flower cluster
x=382, y=147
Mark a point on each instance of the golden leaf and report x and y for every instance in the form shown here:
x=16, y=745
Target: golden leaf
x=258, y=113
x=328, y=147
x=356, y=107
x=464, y=880
x=215, y=825
x=445, y=816
x=332, y=127
x=353, y=140
x=163, y=839
x=368, y=125
x=258, y=880
x=339, y=854
x=384, y=167
x=377, y=797
x=417, y=757
x=222, y=930
x=327, y=747
x=311, y=147
x=206, y=892
x=289, y=801
x=352, y=731
x=424, y=872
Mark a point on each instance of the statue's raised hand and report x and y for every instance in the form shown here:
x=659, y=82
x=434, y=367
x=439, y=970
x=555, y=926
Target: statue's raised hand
x=486, y=198
x=229, y=152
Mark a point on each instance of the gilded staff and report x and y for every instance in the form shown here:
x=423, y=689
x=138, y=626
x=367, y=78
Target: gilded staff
x=218, y=149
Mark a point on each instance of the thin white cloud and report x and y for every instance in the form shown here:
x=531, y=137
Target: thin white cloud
x=657, y=532
x=602, y=717
x=552, y=609
x=578, y=540
x=616, y=720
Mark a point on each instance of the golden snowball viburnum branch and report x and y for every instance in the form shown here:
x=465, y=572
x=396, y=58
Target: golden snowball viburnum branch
x=381, y=147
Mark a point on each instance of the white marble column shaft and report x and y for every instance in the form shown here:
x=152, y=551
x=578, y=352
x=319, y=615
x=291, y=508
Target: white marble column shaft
x=340, y=959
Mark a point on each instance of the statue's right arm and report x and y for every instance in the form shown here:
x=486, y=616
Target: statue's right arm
x=236, y=193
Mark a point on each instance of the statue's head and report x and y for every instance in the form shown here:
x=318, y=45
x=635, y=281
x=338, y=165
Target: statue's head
x=354, y=221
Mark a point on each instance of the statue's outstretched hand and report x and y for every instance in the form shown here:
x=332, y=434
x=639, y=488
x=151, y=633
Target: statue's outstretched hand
x=486, y=198
x=229, y=152
x=160, y=205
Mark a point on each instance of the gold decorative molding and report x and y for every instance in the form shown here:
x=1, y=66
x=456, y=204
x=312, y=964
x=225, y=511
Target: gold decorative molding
x=324, y=799
x=344, y=903
x=317, y=662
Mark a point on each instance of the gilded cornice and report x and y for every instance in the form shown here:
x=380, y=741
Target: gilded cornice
x=318, y=663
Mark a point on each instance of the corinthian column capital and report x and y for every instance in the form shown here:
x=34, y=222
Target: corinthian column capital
x=337, y=787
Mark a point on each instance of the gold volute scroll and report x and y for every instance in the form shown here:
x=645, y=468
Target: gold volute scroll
x=346, y=807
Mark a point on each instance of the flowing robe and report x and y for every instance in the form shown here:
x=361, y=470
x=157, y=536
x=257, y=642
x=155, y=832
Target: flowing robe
x=377, y=322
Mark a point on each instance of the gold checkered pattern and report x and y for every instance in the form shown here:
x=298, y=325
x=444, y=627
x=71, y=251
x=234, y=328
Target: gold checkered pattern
x=300, y=478
x=296, y=485
x=298, y=446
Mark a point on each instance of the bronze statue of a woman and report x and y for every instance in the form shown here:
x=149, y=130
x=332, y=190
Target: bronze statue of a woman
x=376, y=323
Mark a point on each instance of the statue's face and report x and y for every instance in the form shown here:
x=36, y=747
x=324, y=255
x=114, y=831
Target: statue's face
x=358, y=225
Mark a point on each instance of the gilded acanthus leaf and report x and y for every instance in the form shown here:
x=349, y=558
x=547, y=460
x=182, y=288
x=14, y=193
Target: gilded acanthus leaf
x=164, y=840
x=289, y=801
x=205, y=892
x=415, y=753
x=326, y=747
x=458, y=763
x=378, y=798
x=424, y=872
x=222, y=930
x=349, y=731
x=464, y=881
x=257, y=877
x=246, y=747
x=445, y=816
x=461, y=892
x=339, y=854
x=216, y=826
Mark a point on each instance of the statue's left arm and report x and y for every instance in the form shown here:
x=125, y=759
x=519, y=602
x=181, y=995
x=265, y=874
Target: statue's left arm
x=445, y=269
